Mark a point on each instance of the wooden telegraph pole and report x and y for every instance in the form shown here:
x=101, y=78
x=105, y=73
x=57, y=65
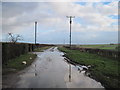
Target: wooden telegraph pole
x=70, y=26
x=35, y=31
x=70, y=45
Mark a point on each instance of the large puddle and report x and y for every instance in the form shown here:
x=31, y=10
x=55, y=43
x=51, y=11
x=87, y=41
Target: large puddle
x=51, y=70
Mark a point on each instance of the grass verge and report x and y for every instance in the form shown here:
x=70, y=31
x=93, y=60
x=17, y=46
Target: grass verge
x=41, y=49
x=103, y=69
x=15, y=65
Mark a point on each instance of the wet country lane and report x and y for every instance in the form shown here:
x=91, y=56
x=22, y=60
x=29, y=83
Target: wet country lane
x=50, y=70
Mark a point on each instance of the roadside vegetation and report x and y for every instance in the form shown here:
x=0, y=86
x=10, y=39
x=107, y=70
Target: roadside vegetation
x=104, y=70
x=41, y=49
x=101, y=46
x=16, y=64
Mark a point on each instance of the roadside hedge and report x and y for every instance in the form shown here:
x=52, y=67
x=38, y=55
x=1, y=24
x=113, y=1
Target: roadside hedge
x=13, y=50
x=102, y=52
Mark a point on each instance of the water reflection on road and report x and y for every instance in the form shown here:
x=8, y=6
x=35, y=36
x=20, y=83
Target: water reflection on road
x=50, y=70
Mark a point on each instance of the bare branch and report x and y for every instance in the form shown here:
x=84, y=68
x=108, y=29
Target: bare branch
x=14, y=38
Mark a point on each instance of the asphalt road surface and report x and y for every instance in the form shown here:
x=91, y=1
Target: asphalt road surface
x=50, y=70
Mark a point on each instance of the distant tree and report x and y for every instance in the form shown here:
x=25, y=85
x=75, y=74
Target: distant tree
x=111, y=43
x=14, y=38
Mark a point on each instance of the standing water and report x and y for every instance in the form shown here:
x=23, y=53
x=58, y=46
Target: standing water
x=50, y=70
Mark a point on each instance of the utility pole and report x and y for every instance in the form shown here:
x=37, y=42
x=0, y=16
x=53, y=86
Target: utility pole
x=70, y=26
x=70, y=45
x=35, y=31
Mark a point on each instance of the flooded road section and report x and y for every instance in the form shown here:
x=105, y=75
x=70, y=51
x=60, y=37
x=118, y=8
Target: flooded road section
x=50, y=70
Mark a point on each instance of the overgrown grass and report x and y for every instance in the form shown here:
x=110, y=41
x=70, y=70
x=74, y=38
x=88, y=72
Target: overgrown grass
x=15, y=65
x=41, y=49
x=101, y=46
x=103, y=69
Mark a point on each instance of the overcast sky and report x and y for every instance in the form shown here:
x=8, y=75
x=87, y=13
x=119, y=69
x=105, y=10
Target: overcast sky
x=94, y=22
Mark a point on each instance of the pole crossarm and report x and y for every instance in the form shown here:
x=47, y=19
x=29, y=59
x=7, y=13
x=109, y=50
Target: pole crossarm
x=70, y=18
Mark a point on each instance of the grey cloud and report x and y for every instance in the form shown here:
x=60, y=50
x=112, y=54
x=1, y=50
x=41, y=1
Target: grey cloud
x=11, y=9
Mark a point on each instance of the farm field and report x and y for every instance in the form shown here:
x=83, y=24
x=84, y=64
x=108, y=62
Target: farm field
x=100, y=46
x=41, y=49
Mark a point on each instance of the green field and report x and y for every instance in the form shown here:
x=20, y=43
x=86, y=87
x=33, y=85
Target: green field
x=103, y=69
x=100, y=46
x=41, y=49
